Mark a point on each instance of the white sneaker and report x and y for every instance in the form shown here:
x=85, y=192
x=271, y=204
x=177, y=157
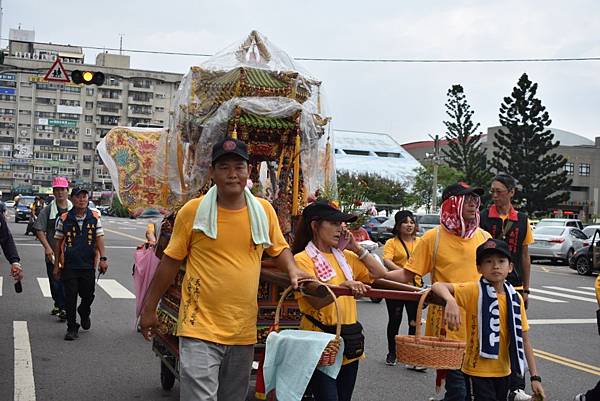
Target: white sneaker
x=521, y=395
x=579, y=397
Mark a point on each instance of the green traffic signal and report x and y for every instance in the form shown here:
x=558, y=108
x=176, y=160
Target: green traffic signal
x=87, y=77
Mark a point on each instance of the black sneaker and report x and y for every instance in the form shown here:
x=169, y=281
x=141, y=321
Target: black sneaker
x=55, y=311
x=390, y=360
x=86, y=323
x=71, y=335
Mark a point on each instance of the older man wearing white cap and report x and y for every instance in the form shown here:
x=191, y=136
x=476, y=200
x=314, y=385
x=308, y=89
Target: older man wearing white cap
x=44, y=227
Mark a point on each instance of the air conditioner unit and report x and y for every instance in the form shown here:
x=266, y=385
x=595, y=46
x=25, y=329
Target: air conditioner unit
x=27, y=55
x=56, y=142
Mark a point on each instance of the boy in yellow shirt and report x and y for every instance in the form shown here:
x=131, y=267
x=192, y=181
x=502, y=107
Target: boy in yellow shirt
x=496, y=324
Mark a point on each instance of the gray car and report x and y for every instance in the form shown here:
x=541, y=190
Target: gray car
x=556, y=243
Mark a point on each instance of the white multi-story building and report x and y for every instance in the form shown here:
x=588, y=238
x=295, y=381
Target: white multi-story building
x=49, y=129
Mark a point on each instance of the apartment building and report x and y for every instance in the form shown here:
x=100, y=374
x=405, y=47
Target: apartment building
x=583, y=167
x=49, y=129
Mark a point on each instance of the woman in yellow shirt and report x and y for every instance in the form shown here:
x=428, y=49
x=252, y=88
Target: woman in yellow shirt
x=396, y=253
x=324, y=248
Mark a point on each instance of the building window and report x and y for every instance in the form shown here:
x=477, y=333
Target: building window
x=584, y=169
x=570, y=168
x=88, y=131
x=89, y=119
x=89, y=105
x=88, y=145
x=86, y=172
x=87, y=158
x=89, y=91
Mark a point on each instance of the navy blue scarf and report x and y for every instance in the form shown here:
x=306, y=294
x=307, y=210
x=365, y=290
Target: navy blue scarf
x=488, y=319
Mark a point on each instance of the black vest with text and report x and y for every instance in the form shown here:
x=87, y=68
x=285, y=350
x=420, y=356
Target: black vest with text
x=513, y=236
x=80, y=243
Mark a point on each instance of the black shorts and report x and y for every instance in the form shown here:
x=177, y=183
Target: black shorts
x=487, y=388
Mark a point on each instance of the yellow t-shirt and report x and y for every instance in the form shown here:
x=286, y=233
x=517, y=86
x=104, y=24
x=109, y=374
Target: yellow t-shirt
x=219, y=290
x=598, y=289
x=528, y=235
x=466, y=295
x=454, y=263
x=327, y=315
x=394, y=251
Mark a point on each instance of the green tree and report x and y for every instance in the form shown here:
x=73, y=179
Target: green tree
x=465, y=153
x=524, y=148
x=421, y=189
x=371, y=187
x=117, y=207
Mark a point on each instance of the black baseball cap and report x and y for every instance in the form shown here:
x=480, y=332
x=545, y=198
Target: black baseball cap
x=230, y=146
x=326, y=210
x=492, y=246
x=460, y=188
x=77, y=190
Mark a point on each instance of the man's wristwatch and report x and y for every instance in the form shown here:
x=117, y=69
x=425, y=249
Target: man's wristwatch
x=536, y=379
x=103, y=258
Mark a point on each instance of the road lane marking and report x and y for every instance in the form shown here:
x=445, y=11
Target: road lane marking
x=124, y=235
x=544, y=269
x=24, y=383
x=114, y=289
x=556, y=294
x=587, y=288
x=567, y=362
x=44, y=286
x=591, y=294
x=1, y=284
x=552, y=300
x=107, y=246
x=560, y=321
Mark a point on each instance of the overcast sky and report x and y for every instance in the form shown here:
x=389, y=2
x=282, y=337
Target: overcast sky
x=405, y=100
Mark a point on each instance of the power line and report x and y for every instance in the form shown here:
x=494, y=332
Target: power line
x=361, y=60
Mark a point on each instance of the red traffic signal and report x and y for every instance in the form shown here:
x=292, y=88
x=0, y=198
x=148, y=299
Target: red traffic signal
x=87, y=77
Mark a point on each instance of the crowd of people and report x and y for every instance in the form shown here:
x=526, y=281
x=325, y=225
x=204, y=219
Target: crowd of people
x=477, y=263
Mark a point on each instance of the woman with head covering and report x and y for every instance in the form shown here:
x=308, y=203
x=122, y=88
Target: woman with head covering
x=448, y=254
x=324, y=248
x=396, y=253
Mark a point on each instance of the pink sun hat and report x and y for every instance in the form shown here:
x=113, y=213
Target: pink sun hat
x=60, y=182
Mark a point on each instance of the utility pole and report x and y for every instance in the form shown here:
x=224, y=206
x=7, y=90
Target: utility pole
x=121, y=43
x=435, y=157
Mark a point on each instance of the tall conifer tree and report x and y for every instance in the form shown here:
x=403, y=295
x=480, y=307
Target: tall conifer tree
x=465, y=153
x=524, y=148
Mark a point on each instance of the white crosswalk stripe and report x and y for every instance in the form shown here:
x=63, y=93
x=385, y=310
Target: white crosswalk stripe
x=557, y=294
x=114, y=289
x=44, y=286
x=1, y=284
x=569, y=290
x=587, y=288
x=551, y=300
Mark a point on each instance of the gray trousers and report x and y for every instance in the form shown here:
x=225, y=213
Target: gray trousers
x=204, y=365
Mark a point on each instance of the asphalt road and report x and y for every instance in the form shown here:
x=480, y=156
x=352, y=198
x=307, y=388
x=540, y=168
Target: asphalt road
x=113, y=362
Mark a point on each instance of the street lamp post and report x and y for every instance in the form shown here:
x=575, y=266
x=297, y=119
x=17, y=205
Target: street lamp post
x=435, y=158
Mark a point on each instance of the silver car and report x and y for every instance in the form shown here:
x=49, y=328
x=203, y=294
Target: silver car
x=556, y=243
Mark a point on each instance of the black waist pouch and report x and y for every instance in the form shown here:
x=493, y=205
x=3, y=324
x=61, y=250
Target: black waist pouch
x=598, y=320
x=354, y=340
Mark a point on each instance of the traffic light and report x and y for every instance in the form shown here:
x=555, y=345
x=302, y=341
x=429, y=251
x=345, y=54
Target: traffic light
x=87, y=77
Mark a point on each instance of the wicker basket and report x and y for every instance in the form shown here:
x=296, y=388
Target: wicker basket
x=429, y=351
x=330, y=352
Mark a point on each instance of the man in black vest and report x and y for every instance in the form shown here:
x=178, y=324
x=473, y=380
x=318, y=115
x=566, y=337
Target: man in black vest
x=80, y=239
x=503, y=222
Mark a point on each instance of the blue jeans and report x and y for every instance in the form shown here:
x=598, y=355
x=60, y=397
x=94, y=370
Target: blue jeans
x=456, y=386
x=56, y=288
x=324, y=388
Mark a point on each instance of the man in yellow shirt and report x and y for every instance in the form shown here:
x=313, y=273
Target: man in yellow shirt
x=503, y=222
x=221, y=237
x=496, y=321
x=448, y=254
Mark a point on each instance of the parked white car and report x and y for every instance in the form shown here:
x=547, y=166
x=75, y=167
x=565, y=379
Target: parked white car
x=560, y=222
x=556, y=243
x=590, y=230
